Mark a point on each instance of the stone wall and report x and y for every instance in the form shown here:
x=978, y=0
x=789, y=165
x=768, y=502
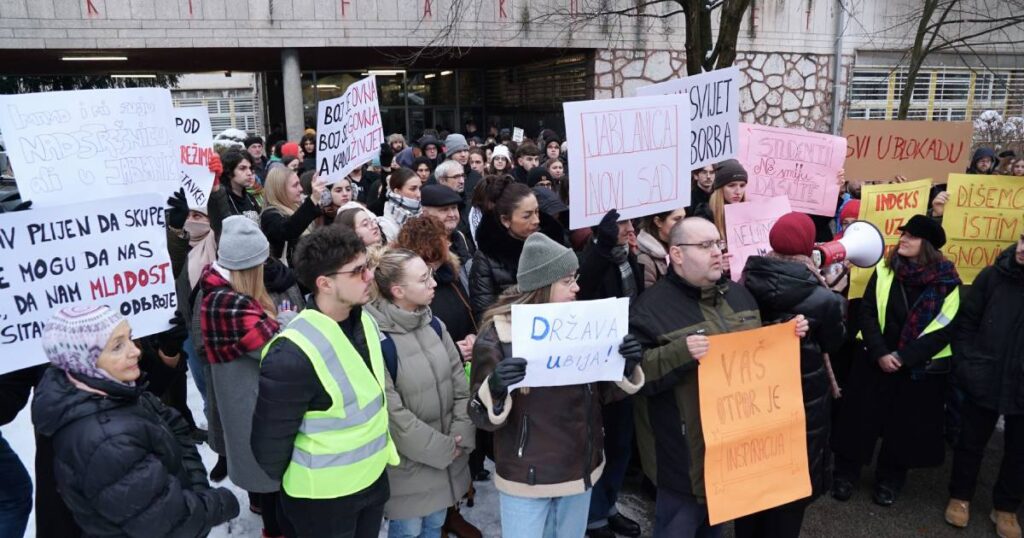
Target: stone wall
x=779, y=89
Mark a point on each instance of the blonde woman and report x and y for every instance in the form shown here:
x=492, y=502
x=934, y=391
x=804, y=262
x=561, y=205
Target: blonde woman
x=427, y=395
x=237, y=318
x=287, y=216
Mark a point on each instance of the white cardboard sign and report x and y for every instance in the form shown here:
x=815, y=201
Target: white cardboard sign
x=349, y=131
x=570, y=343
x=714, y=112
x=76, y=146
x=194, y=139
x=518, y=134
x=111, y=252
x=627, y=154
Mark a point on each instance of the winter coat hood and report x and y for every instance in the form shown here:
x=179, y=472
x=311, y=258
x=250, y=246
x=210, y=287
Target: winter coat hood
x=58, y=402
x=1007, y=264
x=782, y=283
x=980, y=154
x=392, y=319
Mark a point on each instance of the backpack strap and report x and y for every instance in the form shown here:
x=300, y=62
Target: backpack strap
x=390, y=352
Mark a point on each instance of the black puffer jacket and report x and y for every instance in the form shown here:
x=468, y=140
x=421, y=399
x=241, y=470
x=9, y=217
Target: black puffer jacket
x=784, y=289
x=989, y=342
x=123, y=462
x=496, y=262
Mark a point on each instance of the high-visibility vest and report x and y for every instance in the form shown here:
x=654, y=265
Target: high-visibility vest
x=884, y=277
x=344, y=449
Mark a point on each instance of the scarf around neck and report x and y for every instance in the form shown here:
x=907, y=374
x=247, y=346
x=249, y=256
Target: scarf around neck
x=233, y=324
x=938, y=280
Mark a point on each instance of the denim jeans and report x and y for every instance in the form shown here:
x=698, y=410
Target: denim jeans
x=195, y=366
x=428, y=526
x=545, y=517
x=15, y=492
x=618, y=445
x=680, y=516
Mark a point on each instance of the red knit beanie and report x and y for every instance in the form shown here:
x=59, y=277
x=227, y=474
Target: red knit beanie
x=850, y=211
x=290, y=149
x=792, y=234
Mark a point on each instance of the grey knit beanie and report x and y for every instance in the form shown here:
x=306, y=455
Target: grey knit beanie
x=543, y=262
x=454, y=144
x=242, y=244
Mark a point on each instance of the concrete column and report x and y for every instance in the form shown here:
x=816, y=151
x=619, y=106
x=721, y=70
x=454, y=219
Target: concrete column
x=291, y=81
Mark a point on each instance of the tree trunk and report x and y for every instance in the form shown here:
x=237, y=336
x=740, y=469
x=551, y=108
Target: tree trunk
x=917, y=55
x=729, y=31
x=695, y=50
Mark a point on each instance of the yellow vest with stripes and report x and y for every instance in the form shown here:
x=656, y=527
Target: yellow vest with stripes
x=344, y=449
x=883, y=285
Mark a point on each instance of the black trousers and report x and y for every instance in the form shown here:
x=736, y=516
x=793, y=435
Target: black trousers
x=779, y=522
x=976, y=429
x=355, y=516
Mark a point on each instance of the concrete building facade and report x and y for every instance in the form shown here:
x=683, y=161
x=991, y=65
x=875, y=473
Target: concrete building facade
x=807, y=63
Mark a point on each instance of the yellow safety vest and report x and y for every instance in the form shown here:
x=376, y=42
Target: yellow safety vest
x=883, y=284
x=344, y=449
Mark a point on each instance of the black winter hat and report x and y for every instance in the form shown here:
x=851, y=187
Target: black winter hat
x=538, y=174
x=253, y=140
x=728, y=171
x=926, y=228
x=438, y=196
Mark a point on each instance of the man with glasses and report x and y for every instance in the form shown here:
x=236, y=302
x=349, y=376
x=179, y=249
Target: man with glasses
x=672, y=321
x=703, y=184
x=321, y=419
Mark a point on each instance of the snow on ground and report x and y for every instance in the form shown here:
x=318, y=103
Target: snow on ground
x=484, y=514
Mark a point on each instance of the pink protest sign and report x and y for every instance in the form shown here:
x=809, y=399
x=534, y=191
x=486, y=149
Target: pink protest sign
x=800, y=165
x=746, y=229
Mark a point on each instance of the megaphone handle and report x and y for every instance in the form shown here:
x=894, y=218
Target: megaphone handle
x=846, y=271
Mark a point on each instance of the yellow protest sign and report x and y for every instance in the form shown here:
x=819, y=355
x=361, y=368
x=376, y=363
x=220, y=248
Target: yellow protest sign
x=984, y=215
x=888, y=206
x=752, y=411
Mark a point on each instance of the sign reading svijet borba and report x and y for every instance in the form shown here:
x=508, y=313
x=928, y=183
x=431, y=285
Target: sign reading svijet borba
x=348, y=130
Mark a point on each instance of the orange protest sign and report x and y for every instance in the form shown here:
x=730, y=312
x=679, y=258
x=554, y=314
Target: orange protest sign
x=888, y=207
x=881, y=149
x=984, y=216
x=752, y=411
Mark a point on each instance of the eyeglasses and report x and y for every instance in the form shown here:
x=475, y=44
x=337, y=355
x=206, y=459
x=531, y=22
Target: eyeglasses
x=457, y=176
x=359, y=270
x=707, y=245
x=570, y=280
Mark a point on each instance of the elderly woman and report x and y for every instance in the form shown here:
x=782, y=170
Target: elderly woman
x=124, y=463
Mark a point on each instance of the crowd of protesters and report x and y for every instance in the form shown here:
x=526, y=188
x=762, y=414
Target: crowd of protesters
x=352, y=344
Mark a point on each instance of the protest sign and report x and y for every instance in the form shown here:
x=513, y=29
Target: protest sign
x=570, y=343
x=983, y=216
x=85, y=145
x=348, y=130
x=883, y=149
x=799, y=164
x=714, y=112
x=888, y=206
x=752, y=416
x=627, y=154
x=111, y=251
x=517, y=135
x=195, y=147
x=746, y=229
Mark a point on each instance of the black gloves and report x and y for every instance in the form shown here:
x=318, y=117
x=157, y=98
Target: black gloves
x=386, y=155
x=631, y=351
x=509, y=372
x=178, y=212
x=607, y=232
x=171, y=341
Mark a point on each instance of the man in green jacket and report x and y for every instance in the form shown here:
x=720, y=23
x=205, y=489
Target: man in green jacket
x=672, y=321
